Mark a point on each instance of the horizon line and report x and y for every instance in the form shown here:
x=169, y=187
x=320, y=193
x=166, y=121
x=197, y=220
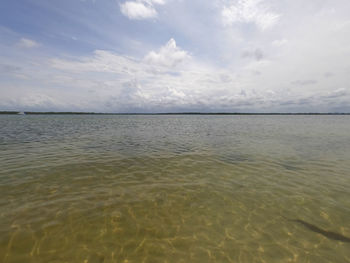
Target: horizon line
x=168, y=113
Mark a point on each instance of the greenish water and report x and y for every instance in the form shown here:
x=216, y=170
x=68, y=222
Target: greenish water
x=174, y=188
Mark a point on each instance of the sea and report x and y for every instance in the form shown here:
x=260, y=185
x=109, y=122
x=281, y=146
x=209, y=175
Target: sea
x=174, y=188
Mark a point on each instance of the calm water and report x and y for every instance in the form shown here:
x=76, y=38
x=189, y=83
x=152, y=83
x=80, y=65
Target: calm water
x=174, y=188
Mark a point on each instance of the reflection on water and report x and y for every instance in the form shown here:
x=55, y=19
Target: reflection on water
x=174, y=188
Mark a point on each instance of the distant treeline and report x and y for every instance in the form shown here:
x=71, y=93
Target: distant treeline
x=169, y=113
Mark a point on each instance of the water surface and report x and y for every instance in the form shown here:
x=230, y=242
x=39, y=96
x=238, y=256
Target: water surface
x=174, y=188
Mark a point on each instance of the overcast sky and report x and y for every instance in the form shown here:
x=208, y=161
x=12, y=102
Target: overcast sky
x=175, y=55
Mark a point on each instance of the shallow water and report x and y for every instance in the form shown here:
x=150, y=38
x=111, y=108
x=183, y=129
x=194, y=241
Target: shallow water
x=174, y=188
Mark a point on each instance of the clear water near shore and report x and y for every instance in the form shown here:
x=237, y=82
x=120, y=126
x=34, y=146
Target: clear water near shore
x=174, y=188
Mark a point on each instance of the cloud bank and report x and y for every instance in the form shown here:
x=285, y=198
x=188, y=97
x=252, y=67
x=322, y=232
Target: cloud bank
x=171, y=56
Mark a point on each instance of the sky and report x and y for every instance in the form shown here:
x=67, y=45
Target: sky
x=175, y=55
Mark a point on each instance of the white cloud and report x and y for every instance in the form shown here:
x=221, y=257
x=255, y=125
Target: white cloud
x=27, y=43
x=168, y=56
x=249, y=11
x=279, y=42
x=101, y=61
x=141, y=9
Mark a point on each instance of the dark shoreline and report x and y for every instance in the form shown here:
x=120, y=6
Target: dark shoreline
x=168, y=113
